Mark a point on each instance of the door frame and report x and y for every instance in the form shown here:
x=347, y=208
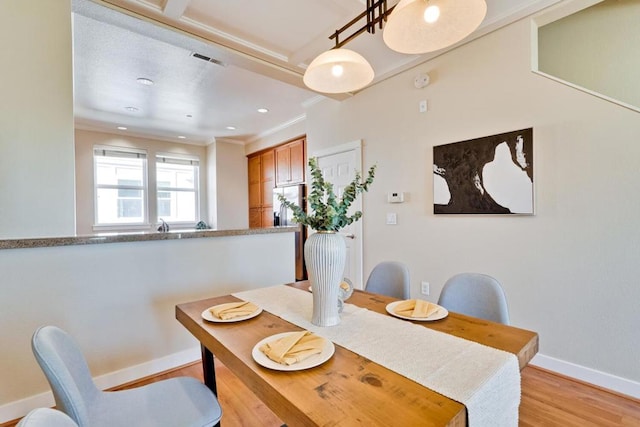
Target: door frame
x=356, y=147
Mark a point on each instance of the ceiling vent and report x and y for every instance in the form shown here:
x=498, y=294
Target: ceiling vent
x=208, y=59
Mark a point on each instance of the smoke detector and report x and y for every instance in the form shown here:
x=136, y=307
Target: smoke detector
x=421, y=80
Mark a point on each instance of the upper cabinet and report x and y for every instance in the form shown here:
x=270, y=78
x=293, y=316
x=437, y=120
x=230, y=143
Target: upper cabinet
x=267, y=175
x=290, y=163
x=255, y=184
x=261, y=182
x=275, y=167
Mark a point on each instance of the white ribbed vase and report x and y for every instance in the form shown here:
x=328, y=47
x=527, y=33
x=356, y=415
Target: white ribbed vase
x=325, y=253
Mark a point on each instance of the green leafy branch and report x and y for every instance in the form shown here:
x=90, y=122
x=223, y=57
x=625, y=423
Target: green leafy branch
x=326, y=212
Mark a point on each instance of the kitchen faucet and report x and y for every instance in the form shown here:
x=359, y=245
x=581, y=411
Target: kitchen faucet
x=164, y=227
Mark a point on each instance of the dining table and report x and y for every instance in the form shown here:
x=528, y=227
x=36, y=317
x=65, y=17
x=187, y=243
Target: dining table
x=348, y=389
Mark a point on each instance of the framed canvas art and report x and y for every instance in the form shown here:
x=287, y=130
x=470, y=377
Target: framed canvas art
x=489, y=175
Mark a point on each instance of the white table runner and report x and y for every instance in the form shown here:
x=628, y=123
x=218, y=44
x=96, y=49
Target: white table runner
x=484, y=379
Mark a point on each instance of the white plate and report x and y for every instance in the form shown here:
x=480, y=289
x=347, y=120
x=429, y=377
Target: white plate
x=440, y=314
x=309, y=362
x=206, y=315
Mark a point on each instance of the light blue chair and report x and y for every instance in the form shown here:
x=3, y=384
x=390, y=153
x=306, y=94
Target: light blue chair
x=476, y=295
x=176, y=402
x=389, y=278
x=46, y=417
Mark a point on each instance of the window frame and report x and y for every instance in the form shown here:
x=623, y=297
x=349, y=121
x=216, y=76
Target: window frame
x=133, y=226
x=185, y=159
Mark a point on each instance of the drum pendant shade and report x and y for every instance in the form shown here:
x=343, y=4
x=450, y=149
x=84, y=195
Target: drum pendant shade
x=407, y=31
x=338, y=71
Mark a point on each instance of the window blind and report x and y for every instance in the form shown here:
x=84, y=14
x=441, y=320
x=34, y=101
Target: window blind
x=119, y=153
x=178, y=160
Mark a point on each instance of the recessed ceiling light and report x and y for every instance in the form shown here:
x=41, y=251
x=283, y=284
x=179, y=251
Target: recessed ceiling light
x=144, y=81
x=231, y=128
x=132, y=109
x=181, y=137
x=122, y=128
x=263, y=110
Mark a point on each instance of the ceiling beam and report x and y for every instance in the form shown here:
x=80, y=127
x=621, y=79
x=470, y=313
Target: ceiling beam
x=228, y=51
x=175, y=8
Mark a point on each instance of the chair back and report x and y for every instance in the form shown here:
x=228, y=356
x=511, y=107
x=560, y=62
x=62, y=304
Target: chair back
x=46, y=417
x=389, y=278
x=476, y=295
x=67, y=372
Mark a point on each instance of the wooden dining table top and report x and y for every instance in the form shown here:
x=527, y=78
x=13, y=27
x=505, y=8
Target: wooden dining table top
x=348, y=389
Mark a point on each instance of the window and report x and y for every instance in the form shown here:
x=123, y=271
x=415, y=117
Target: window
x=125, y=201
x=120, y=186
x=177, y=189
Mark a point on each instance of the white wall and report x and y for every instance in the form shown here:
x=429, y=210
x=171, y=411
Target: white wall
x=285, y=134
x=571, y=271
x=118, y=299
x=596, y=48
x=36, y=120
x=232, y=186
x=85, y=141
x=212, y=186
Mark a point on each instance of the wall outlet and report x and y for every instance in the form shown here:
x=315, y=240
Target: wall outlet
x=425, y=288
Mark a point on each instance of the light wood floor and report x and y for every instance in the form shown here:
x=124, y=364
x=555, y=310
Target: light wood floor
x=547, y=400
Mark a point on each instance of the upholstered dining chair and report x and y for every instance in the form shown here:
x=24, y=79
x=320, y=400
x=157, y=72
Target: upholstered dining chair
x=477, y=295
x=46, y=417
x=181, y=401
x=389, y=278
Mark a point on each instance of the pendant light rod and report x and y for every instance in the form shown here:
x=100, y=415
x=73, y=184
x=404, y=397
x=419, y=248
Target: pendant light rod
x=373, y=18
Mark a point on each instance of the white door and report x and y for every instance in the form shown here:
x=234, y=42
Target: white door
x=338, y=165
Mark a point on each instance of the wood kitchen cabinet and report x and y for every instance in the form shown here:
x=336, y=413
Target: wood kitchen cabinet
x=267, y=176
x=255, y=217
x=290, y=163
x=282, y=165
x=255, y=195
x=261, y=182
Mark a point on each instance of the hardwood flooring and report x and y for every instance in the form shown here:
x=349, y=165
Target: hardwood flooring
x=548, y=400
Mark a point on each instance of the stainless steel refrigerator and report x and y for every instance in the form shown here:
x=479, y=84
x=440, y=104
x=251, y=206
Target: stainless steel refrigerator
x=284, y=217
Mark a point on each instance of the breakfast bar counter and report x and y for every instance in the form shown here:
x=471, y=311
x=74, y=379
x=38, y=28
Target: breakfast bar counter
x=144, y=236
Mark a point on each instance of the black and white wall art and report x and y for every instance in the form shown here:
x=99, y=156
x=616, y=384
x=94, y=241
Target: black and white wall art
x=490, y=175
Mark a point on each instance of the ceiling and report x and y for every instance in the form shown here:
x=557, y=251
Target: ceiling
x=259, y=51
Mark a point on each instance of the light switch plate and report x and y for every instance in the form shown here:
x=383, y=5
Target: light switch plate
x=392, y=218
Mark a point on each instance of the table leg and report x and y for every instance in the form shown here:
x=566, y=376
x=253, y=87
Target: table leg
x=208, y=369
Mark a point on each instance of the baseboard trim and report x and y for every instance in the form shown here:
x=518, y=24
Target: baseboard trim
x=599, y=379
x=18, y=409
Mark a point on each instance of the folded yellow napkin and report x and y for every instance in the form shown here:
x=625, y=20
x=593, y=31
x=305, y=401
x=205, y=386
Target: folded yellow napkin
x=233, y=309
x=416, y=308
x=293, y=348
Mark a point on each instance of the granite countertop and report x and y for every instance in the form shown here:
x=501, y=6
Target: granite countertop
x=142, y=236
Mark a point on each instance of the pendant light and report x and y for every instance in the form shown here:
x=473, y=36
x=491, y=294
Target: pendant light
x=337, y=71
x=411, y=26
x=421, y=26
x=342, y=70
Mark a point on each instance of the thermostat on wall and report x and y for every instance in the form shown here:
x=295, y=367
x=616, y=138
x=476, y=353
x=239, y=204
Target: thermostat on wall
x=394, y=197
